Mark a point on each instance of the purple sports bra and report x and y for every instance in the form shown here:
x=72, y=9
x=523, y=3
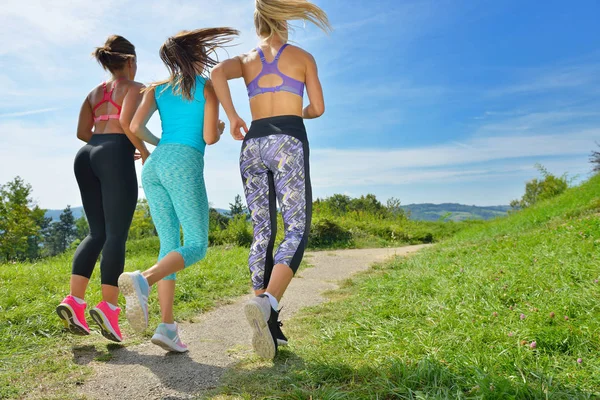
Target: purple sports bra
x=288, y=84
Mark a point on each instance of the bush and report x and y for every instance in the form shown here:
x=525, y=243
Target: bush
x=326, y=233
x=238, y=233
x=540, y=190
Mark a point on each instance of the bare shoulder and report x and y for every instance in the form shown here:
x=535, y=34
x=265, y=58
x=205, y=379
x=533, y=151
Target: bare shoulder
x=247, y=57
x=150, y=89
x=301, y=54
x=133, y=85
x=95, y=91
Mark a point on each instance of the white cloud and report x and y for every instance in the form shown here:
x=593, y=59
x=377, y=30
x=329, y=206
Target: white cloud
x=58, y=23
x=28, y=112
x=539, y=80
x=368, y=167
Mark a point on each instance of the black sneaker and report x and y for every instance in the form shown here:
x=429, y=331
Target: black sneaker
x=281, y=339
x=264, y=323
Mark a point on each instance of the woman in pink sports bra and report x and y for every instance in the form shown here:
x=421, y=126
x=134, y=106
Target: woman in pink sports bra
x=105, y=173
x=274, y=156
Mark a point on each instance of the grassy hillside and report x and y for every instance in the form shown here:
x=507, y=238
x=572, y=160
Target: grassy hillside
x=506, y=309
x=453, y=212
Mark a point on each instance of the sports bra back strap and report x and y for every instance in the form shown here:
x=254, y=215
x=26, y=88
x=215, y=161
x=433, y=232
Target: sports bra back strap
x=262, y=55
x=115, y=83
x=279, y=52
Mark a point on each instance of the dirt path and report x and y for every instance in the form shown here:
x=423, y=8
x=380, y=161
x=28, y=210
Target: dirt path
x=147, y=372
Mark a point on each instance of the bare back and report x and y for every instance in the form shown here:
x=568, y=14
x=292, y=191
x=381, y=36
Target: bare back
x=293, y=62
x=107, y=108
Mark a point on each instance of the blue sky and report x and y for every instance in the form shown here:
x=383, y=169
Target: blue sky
x=427, y=101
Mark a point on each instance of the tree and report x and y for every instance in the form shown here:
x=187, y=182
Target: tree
x=82, y=228
x=339, y=204
x=238, y=207
x=394, y=208
x=36, y=241
x=19, y=219
x=368, y=204
x=142, y=225
x=62, y=232
x=595, y=160
x=538, y=190
x=216, y=221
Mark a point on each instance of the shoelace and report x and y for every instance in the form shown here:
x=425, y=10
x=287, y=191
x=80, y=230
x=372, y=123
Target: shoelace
x=278, y=314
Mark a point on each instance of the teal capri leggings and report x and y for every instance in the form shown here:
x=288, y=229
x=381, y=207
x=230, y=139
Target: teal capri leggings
x=173, y=179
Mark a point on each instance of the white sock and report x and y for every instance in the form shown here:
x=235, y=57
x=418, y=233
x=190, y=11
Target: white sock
x=171, y=327
x=273, y=301
x=78, y=300
x=112, y=307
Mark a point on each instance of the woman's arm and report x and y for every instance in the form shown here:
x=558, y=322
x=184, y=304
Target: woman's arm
x=316, y=106
x=86, y=122
x=142, y=116
x=213, y=128
x=130, y=104
x=229, y=69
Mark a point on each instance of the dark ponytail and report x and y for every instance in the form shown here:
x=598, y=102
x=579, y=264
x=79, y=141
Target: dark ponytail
x=115, y=53
x=187, y=55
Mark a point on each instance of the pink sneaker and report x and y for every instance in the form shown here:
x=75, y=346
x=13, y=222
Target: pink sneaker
x=108, y=321
x=73, y=315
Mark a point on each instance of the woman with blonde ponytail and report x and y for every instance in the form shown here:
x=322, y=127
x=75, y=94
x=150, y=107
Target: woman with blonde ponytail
x=173, y=177
x=274, y=156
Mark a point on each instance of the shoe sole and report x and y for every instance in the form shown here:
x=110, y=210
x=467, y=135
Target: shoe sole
x=105, y=326
x=133, y=309
x=67, y=314
x=262, y=341
x=166, y=344
x=282, y=342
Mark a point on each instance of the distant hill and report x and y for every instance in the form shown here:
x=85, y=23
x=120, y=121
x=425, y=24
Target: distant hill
x=458, y=212
x=78, y=212
x=55, y=214
x=419, y=212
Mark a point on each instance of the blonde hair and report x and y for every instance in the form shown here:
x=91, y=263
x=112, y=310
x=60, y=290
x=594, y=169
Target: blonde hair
x=271, y=16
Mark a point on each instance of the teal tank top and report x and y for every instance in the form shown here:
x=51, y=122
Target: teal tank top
x=182, y=120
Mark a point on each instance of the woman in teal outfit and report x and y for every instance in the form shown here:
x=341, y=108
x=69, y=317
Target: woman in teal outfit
x=173, y=175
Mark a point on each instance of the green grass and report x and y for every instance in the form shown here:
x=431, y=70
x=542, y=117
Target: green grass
x=447, y=322
x=36, y=355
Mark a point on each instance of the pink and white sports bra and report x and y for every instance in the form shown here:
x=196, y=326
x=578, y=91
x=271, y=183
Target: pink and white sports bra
x=107, y=99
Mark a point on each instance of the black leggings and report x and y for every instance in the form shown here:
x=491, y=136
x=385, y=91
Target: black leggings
x=105, y=173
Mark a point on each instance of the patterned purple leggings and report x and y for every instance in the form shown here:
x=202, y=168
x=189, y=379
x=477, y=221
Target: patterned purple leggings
x=274, y=167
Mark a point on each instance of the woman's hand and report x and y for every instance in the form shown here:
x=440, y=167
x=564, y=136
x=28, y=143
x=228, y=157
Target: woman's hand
x=145, y=156
x=141, y=155
x=221, y=127
x=237, y=123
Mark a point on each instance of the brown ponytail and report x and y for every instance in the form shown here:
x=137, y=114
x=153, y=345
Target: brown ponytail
x=115, y=53
x=187, y=55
